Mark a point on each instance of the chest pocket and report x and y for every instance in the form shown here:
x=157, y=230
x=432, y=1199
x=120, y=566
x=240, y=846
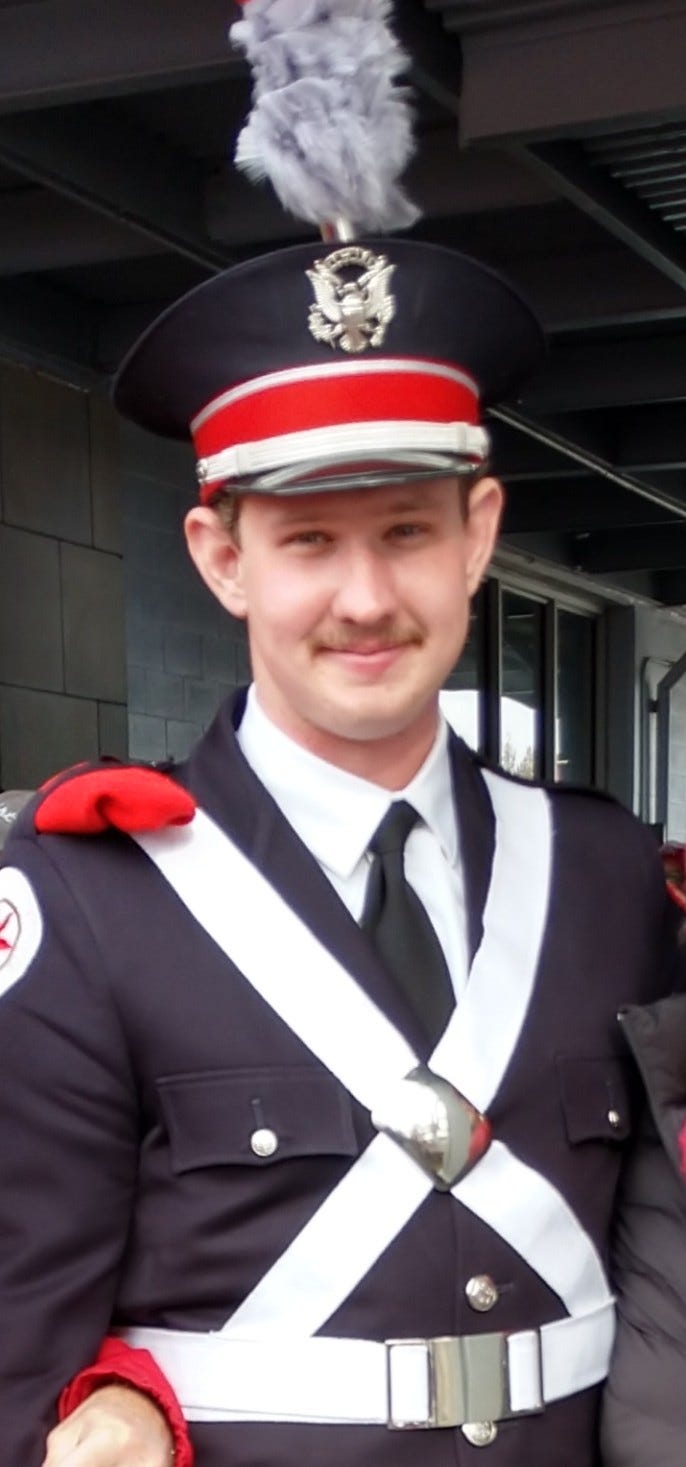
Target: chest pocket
x=255, y=1117
x=596, y=1098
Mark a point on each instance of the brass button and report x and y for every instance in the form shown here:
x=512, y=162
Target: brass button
x=480, y=1433
x=481, y=1293
x=264, y=1142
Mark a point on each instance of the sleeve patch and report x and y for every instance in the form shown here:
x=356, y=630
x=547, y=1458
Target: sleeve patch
x=21, y=927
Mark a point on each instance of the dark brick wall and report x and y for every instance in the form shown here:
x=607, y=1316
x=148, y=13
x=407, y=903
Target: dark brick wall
x=62, y=652
x=184, y=652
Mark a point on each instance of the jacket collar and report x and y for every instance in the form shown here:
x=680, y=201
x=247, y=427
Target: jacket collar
x=334, y=812
x=227, y=788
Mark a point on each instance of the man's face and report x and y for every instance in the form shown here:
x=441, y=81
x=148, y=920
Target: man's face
x=357, y=602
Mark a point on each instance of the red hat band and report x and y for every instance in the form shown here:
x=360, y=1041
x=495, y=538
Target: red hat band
x=390, y=409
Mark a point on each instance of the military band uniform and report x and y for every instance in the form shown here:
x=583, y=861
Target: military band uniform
x=165, y=1135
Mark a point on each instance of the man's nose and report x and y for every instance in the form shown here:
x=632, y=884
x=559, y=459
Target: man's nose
x=366, y=590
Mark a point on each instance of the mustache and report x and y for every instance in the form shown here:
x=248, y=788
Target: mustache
x=376, y=639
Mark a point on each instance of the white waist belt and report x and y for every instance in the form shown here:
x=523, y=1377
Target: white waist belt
x=399, y=1383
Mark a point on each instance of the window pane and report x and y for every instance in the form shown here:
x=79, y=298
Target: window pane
x=575, y=712
x=522, y=668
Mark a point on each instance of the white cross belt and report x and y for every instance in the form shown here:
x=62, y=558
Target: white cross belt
x=287, y=965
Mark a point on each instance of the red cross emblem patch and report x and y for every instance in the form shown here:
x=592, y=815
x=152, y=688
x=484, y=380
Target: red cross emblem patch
x=21, y=926
x=10, y=930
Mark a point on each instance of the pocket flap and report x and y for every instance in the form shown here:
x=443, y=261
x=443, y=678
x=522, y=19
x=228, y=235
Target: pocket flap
x=213, y=1119
x=596, y=1098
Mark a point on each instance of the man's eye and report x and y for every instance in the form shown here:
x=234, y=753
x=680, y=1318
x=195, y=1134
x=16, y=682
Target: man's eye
x=308, y=537
x=407, y=531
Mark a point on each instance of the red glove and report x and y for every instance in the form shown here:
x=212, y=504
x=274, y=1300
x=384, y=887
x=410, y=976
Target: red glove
x=117, y=1363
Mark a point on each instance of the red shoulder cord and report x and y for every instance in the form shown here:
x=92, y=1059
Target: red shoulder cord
x=86, y=802
x=123, y=797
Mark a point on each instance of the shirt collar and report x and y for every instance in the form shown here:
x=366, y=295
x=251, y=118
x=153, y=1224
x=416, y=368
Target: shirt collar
x=336, y=813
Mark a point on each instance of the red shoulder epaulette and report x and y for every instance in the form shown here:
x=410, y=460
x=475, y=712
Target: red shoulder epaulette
x=128, y=797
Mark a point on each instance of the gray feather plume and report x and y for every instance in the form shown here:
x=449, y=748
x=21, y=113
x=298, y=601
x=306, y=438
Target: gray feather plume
x=329, y=127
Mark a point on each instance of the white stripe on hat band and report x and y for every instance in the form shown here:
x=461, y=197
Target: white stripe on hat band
x=324, y=370
x=345, y=440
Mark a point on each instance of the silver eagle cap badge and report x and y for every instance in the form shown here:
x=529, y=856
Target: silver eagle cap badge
x=436, y=1125
x=351, y=310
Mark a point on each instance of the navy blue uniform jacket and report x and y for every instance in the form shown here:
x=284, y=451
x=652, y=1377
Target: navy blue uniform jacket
x=131, y=1051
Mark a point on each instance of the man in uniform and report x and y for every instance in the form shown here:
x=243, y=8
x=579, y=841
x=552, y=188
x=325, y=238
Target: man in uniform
x=314, y=1086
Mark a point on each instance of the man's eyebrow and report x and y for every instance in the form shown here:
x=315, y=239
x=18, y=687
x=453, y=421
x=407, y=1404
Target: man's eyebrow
x=305, y=515
x=409, y=504
x=285, y=521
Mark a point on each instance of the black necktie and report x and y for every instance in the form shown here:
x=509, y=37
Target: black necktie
x=400, y=928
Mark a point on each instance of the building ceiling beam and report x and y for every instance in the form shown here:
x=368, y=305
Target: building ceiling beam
x=575, y=507
x=62, y=51
x=652, y=547
x=566, y=167
x=518, y=454
x=593, y=462
x=96, y=158
x=570, y=67
x=581, y=290
x=44, y=231
x=82, y=50
x=470, y=16
x=653, y=438
x=436, y=58
x=581, y=375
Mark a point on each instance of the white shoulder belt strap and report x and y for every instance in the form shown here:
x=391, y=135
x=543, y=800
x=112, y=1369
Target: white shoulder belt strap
x=289, y=967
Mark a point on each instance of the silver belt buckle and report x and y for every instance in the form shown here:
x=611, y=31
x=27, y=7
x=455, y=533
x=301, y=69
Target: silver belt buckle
x=468, y=1379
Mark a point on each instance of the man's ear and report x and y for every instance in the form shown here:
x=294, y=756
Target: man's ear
x=484, y=512
x=217, y=556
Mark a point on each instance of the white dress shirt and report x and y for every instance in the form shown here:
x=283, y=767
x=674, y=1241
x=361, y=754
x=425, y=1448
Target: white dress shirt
x=336, y=814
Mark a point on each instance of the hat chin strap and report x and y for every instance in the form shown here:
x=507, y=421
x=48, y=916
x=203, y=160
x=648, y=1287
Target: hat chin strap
x=310, y=459
x=319, y=478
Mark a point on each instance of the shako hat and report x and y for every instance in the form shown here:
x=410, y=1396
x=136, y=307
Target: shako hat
x=349, y=362
x=315, y=367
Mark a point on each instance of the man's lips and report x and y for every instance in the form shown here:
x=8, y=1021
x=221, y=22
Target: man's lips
x=368, y=649
x=373, y=658
x=368, y=653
